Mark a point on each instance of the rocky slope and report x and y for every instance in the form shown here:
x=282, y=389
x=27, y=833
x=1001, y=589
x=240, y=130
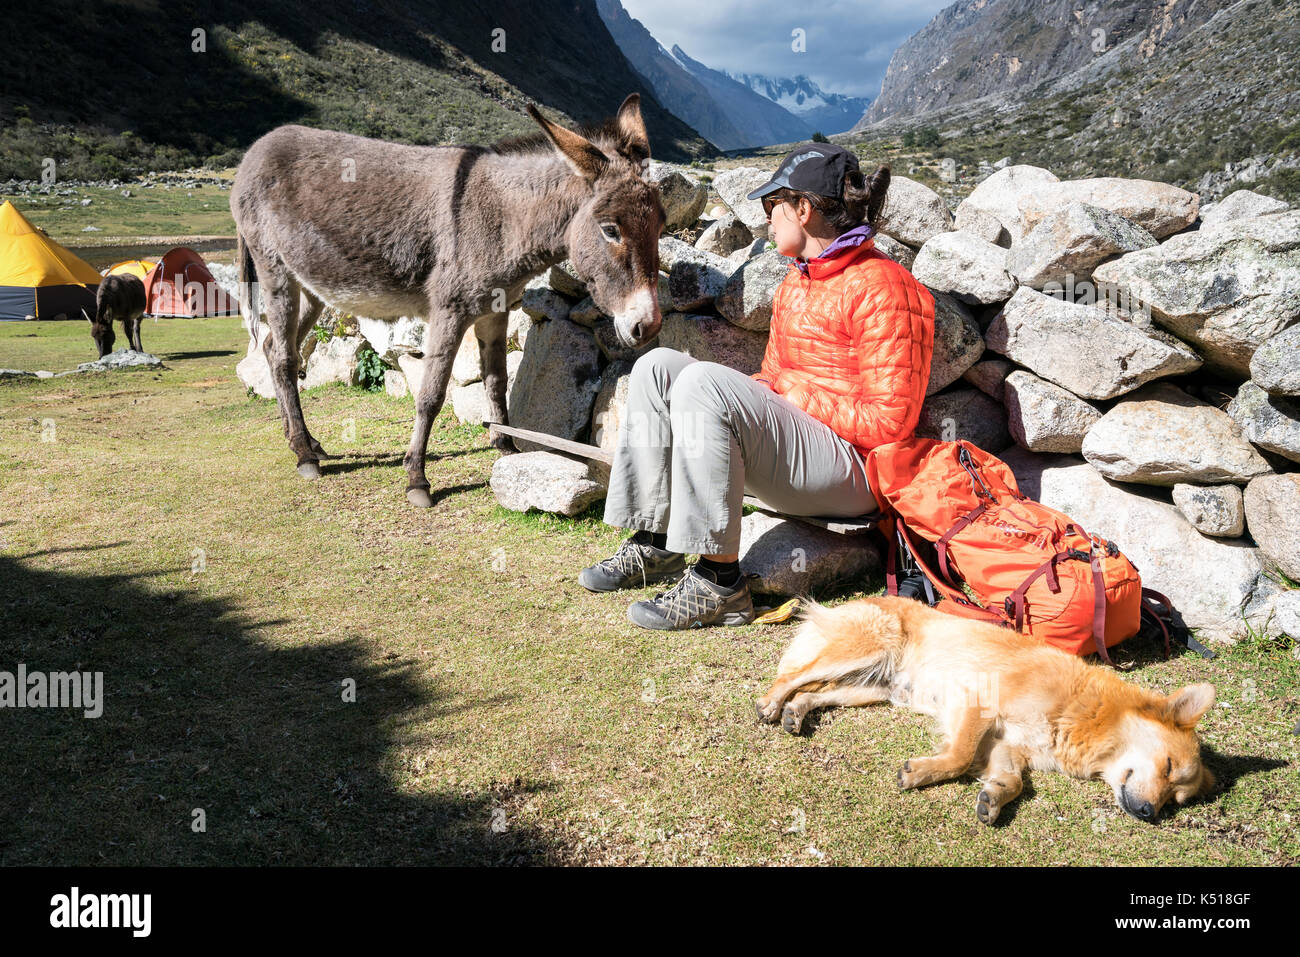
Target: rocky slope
x=1205, y=97
x=105, y=90
x=977, y=47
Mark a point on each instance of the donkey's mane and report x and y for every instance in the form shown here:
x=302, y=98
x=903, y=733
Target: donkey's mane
x=604, y=134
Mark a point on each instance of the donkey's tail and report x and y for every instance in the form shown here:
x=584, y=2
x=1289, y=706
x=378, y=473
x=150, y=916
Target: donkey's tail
x=248, y=304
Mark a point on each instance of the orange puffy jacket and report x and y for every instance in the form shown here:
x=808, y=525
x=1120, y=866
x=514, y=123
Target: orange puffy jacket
x=850, y=344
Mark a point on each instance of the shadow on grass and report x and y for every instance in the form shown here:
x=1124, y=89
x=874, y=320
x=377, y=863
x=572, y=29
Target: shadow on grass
x=210, y=354
x=202, y=709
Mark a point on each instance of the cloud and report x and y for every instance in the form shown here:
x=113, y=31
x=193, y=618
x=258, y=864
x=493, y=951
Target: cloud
x=848, y=43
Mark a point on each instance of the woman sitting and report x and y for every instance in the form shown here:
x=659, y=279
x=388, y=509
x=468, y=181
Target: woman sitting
x=846, y=368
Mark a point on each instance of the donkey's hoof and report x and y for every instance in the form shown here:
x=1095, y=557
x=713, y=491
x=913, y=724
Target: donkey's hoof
x=309, y=470
x=419, y=497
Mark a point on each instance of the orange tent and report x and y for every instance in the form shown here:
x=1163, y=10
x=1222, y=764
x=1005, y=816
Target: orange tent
x=181, y=285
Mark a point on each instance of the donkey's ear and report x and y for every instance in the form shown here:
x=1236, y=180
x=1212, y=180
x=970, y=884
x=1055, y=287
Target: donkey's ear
x=631, y=126
x=583, y=156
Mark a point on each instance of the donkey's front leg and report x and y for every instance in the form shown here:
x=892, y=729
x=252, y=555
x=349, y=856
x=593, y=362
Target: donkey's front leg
x=133, y=332
x=445, y=332
x=490, y=330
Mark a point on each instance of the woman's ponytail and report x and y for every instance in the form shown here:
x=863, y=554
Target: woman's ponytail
x=877, y=186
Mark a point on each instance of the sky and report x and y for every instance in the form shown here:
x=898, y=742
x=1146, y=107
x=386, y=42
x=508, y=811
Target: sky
x=848, y=43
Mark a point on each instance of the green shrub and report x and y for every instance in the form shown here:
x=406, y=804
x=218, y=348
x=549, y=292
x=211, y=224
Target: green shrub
x=370, y=370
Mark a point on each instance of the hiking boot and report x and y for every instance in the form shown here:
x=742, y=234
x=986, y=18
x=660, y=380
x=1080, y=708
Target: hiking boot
x=634, y=565
x=695, y=602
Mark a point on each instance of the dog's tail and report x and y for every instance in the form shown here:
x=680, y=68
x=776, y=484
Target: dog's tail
x=248, y=304
x=863, y=630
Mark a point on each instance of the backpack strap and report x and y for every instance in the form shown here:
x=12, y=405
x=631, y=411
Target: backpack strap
x=1099, y=609
x=941, y=546
x=935, y=587
x=1156, y=598
x=1017, y=600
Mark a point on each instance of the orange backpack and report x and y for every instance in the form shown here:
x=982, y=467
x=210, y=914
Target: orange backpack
x=1024, y=565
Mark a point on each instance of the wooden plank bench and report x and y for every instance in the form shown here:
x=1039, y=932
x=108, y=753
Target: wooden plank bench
x=840, y=526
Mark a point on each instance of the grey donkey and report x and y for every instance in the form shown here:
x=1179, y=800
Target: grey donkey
x=118, y=297
x=451, y=233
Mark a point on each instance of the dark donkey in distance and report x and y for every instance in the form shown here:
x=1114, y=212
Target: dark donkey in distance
x=451, y=233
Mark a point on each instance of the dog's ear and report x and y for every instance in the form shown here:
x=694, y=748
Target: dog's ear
x=1185, y=707
x=1208, y=783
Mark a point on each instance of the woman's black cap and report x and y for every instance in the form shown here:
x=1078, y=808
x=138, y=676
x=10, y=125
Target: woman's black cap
x=811, y=168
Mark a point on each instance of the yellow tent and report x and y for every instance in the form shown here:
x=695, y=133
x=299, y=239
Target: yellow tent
x=139, y=268
x=39, y=278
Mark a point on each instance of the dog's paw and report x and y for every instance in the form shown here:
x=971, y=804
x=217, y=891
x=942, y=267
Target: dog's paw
x=907, y=778
x=986, y=807
x=766, y=711
x=792, y=719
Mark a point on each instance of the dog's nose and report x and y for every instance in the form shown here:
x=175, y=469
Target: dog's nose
x=1144, y=811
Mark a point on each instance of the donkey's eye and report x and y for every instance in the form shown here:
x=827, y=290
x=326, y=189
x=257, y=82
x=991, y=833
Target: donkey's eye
x=611, y=232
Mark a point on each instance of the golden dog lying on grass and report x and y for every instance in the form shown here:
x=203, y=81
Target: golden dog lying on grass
x=1005, y=702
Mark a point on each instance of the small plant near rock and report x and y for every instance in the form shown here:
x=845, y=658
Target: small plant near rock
x=370, y=370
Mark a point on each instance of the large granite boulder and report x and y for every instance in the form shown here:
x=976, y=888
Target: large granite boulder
x=545, y=481
x=1071, y=242
x=1271, y=422
x=1043, y=417
x=1226, y=291
x=467, y=367
x=122, y=359
x=562, y=278
x=696, y=278
x=393, y=337
x=1215, y=510
x=793, y=558
x=905, y=256
x=989, y=375
x=541, y=302
x=724, y=236
x=335, y=360
x=970, y=268
x=1209, y=580
x=733, y=185
x=1273, y=518
x=1243, y=204
x=1160, y=435
x=607, y=415
x=998, y=199
x=913, y=212
x=683, y=197
x=711, y=339
x=1159, y=208
x=965, y=414
x=1275, y=366
x=1086, y=349
x=957, y=342
x=557, y=382
x=746, y=299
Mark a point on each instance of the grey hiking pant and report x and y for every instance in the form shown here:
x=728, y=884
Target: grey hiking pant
x=697, y=436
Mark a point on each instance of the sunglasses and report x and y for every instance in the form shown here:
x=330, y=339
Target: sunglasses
x=769, y=203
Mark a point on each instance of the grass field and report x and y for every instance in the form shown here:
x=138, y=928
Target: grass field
x=152, y=528
x=201, y=211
